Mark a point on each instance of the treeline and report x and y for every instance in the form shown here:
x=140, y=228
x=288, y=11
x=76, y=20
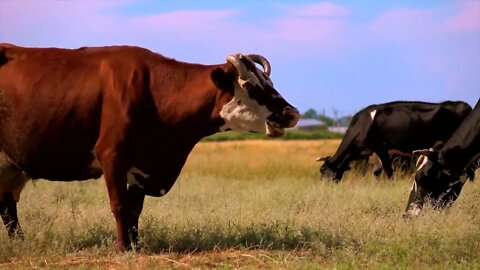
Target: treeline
x=290, y=134
x=329, y=121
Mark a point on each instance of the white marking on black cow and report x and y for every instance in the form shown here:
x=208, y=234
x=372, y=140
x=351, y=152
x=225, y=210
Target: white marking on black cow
x=372, y=114
x=380, y=161
x=414, y=186
x=422, y=160
x=131, y=180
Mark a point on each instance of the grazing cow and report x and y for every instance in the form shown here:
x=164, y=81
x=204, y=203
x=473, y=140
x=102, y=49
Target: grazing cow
x=438, y=177
x=368, y=160
x=403, y=126
x=124, y=112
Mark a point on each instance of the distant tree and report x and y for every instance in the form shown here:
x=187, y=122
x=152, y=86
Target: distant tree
x=344, y=121
x=327, y=120
x=310, y=114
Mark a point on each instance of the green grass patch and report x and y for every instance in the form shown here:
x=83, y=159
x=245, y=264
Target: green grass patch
x=289, y=135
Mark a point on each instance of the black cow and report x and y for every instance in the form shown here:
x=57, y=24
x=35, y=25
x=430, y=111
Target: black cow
x=438, y=176
x=401, y=125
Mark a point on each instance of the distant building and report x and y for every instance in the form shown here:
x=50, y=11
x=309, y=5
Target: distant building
x=342, y=130
x=309, y=124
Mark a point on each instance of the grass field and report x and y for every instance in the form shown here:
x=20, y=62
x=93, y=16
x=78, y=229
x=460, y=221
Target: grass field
x=252, y=205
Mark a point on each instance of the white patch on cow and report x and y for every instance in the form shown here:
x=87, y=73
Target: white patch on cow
x=131, y=180
x=244, y=114
x=162, y=192
x=414, y=186
x=373, y=113
x=380, y=161
x=422, y=160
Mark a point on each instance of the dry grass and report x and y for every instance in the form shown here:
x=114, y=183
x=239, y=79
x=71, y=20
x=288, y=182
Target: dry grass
x=250, y=204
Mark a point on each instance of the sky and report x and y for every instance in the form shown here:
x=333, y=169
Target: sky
x=333, y=56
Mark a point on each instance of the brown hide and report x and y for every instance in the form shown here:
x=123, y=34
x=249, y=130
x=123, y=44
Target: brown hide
x=61, y=109
x=56, y=103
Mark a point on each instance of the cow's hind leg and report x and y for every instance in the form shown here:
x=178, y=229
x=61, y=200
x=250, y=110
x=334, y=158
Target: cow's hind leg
x=386, y=162
x=12, y=181
x=135, y=198
x=8, y=211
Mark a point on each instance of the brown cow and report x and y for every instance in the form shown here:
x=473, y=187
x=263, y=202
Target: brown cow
x=124, y=112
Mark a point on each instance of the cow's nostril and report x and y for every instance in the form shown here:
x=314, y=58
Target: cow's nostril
x=291, y=116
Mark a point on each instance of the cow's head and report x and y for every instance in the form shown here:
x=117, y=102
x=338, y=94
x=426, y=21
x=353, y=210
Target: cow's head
x=328, y=171
x=255, y=106
x=433, y=183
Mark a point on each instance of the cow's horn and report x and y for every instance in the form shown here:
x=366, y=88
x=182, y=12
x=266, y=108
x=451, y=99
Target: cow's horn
x=426, y=152
x=235, y=61
x=262, y=61
x=322, y=158
x=420, y=160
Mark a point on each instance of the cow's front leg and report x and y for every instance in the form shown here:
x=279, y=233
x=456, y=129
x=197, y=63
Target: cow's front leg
x=115, y=174
x=126, y=202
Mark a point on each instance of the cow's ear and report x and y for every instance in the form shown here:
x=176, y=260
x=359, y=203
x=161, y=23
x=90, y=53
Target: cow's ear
x=223, y=80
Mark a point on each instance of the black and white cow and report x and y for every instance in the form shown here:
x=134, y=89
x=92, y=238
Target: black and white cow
x=438, y=177
x=402, y=125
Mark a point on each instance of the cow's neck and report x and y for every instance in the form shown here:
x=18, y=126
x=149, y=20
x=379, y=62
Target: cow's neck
x=342, y=156
x=187, y=100
x=463, y=146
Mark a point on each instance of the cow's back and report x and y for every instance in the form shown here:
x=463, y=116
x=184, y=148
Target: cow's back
x=50, y=105
x=413, y=125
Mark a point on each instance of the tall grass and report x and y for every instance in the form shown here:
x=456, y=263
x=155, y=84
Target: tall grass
x=251, y=204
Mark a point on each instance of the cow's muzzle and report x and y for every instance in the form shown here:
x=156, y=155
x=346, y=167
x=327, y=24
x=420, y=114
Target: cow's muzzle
x=286, y=119
x=276, y=122
x=413, y=210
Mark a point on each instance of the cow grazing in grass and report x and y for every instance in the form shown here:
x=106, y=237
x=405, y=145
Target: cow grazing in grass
x=403, y=126
x=439, y=174
x=124, y=112
x=369, y=161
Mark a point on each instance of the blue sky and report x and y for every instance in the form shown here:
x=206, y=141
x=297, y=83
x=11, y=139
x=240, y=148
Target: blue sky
x=325, y=55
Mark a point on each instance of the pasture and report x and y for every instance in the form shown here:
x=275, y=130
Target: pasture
x=249, y=204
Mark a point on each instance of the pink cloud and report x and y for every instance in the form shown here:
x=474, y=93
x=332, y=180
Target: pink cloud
x=404, y=25
x=189, y=21
x=467, y=18
x=322, y=9
x=308, y=30
x=56, y=23
x=316, y=29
